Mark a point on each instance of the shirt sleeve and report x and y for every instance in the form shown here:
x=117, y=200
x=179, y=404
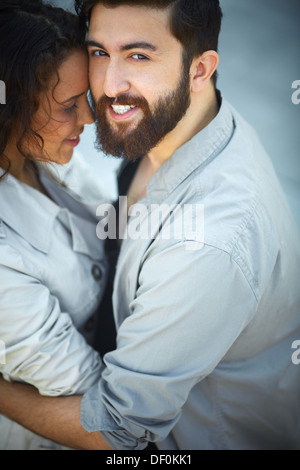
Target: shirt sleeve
x=190, y=307
x=42, y=345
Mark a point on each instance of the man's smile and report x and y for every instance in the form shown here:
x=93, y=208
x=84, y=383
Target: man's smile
x=121, y=109
x=121, y=112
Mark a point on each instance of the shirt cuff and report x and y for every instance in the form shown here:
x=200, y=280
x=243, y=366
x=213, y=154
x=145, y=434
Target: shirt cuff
x=95, y=417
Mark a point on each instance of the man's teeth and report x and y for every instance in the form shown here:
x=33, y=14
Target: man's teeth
x=120, y=109
x=74, y=138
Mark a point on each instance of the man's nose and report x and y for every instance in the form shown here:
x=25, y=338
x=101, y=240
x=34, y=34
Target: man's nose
x=116, y=81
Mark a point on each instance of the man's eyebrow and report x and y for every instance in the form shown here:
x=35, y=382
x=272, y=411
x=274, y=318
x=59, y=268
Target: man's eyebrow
x=73, y=98
x=139, y=45
x=91, y=42
x=126, y=47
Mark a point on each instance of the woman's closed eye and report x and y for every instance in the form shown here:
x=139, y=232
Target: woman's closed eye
x=71, y=108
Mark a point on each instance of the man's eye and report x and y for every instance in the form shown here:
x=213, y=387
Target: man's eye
x=99, y=53
x=139, y=57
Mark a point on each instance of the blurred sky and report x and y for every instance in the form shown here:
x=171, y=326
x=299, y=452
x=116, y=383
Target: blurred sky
x=259, y=60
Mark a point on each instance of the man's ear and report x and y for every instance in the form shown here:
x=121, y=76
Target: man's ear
x=202, y=69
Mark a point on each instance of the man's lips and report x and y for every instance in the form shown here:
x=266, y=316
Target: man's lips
x=122, y=112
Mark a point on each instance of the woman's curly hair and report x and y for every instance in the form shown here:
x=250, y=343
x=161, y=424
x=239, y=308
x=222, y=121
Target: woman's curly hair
x=35, y=39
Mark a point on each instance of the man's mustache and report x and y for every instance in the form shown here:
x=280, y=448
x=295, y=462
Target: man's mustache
x=124, y=99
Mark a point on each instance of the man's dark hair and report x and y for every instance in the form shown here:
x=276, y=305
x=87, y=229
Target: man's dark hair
x=195, y=23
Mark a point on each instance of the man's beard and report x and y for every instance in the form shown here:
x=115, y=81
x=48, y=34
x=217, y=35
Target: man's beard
x=153, y=127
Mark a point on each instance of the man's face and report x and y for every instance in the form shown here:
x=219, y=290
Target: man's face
x=139, y=84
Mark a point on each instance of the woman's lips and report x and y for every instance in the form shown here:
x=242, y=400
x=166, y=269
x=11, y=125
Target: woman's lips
x=73, y=142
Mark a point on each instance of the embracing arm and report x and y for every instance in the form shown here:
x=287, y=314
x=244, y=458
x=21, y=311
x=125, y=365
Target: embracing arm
x=170, y=341
x=56, y=418
x=44, y=349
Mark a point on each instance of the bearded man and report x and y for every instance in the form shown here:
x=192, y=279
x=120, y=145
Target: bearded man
x=205, y=318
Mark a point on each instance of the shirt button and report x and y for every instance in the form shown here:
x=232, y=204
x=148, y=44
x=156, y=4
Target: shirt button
x=97, y=273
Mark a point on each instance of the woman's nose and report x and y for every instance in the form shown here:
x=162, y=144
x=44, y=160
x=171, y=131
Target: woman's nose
x=86, y=115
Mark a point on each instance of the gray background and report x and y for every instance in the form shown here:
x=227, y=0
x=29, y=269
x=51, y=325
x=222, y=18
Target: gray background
x=259, y=60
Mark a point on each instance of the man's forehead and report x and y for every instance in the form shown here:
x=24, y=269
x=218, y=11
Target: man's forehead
x=135, y=16
x=125, y=25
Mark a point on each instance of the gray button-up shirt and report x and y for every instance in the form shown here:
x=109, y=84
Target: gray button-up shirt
x=52, y=279
x=207, y=316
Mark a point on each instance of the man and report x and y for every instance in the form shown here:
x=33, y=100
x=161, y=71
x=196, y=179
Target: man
x=206, y=296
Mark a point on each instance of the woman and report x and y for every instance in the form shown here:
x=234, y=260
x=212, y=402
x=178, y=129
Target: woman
x=52, y=266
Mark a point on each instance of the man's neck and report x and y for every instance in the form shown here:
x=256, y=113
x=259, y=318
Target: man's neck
x=202, y=111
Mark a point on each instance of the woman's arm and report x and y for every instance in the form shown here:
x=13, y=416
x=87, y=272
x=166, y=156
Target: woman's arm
x=57, y=418
x=42, y=345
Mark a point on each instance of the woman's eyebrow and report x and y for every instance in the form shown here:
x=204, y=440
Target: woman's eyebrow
x=73, y=98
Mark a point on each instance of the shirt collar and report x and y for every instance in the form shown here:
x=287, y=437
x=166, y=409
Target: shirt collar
x=27, y=211
x=198, y=151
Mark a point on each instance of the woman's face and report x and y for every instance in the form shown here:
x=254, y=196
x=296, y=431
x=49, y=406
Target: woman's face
x=63, y=113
